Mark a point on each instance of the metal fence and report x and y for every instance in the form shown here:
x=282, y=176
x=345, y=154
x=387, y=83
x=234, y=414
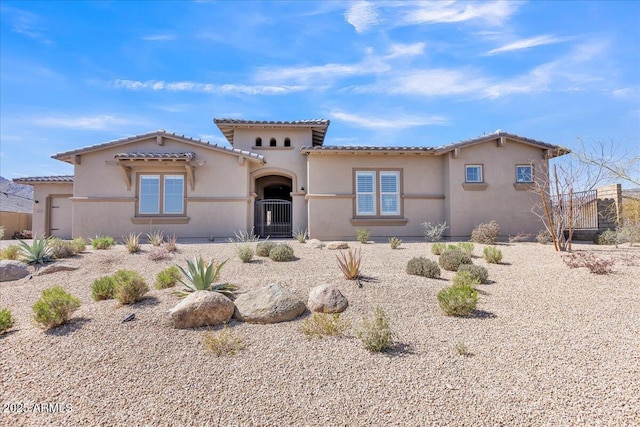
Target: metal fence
x=582, y=205
x=273, y=218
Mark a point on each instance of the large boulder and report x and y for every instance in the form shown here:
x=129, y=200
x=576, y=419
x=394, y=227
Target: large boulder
x=56, y=267
x=315, y=244
x=327, y=299
x=12, y=270
x=270, y=304
x=337, y=245
x=201, y=308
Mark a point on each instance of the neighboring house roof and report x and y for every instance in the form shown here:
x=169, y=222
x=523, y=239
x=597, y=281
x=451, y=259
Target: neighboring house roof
x=155, y=156
x=318, y=127
x=67, y=156
x=59, y=179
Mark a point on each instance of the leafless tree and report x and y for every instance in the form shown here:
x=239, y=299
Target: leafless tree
x=615, y=164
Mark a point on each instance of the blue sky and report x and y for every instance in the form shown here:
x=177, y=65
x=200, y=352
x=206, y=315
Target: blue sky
x=385, y=73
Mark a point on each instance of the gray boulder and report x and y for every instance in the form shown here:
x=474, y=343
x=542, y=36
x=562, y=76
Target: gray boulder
x=315, y=244
x=201, y=308
x=337, y=245
x=327, y=299
x=12, y=270
x=270, y=304
x=56, y=267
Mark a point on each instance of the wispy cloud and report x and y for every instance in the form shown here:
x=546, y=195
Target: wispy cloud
x=397, y=50
x=526, y=44
x=25, y=23
x=396, y=123
x=98, y=122
x=159, y=37
x=432, y=82
x=362, y=15
x=189, y=86
x=492, y=13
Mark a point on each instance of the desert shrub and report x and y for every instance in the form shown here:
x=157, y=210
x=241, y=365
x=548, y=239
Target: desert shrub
x=6, y=321
x=349, y=263
x=245, y=252
x=243, y=236
x=458, y=300
x=171, y=245
x=200, y=276
x=438, y=248
x=102, y=242
x=466, y=247
x=38, y=252
x=130, y=286
x=156, y=238
x=486, y=233
x=543, y=237
x=375, y=331
x=132, y=242
x=395, y=243
x=421, y=266
x=477, y=271
x=1, y=232
x=452, y=259
x=10, y=252
x=158, y=253
x=103, y=288
x=629, y=232
x=54, y=307
x=433, y=233
x=464, y=278
x=461, y=349
x=607, y=237
x=301, y=236
x=223, y=343
x=362, y=235
x=263, y=248
x=492, y=255
x=595, y=264
x=61, y=248
x=321, y=324
x=520, y=237
x=281, y=253
x=168, y=277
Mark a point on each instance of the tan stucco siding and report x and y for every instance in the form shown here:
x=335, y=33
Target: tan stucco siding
x=41, y=194
x=500, y=201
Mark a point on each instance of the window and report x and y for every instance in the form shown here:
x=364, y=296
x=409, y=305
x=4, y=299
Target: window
x=258, y=142
x=287, y=142
x=377, y=193
x=161, y=194
x=272, y=142
x=524, y=174
x=473, y=173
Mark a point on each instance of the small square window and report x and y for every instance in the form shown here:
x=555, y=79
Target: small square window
x=473, y=173
x=524, y=174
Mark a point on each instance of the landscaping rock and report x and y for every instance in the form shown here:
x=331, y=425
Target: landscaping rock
x=54, y=268
x=337, y=245
x=315, y=244
x=12, y=270
x=327, y=299
x=270, y=304
x=201, y=308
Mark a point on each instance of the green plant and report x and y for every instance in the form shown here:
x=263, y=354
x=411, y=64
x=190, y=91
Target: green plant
x=349, y=263
x=54, y=307
x=102, y=242
x=132, y=242
x=433, y=233
x=464, y=278
x=6, y=321
x=168, y=277
x=200, y=276
x=375, y=331
x=477, y=271
x=543, y=237
x=130, y=287
x=263, y=248
x=103, y=288
x=321, y=324
x=281, y=253
x=395, y=242
x=438, y=248
x=243, y=236
x=1, y=232
x=492, y=255
x=452, y=259
x=10, y=252
x=607, y=237
x=421, y=266
x=156, y=238
x=461, y=349
x=61, y=248
x=171, y=245
x=222, y=343
x=466, y=247
x=362, y=235
x=486, y=233
x=458, y=300
x=301, y=236
x=38, y=252
x=245, y=252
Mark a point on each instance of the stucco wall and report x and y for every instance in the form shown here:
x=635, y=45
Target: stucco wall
x=40, y=194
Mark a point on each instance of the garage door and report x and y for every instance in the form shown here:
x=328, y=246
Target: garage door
x=60, y=217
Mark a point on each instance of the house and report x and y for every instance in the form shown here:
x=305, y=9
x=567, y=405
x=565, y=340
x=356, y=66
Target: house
x=278, y=176
x=16, y=205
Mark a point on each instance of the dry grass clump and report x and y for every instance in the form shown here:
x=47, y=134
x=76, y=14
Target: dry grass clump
x=54, y=307
x=132, y=242
x=421, y=266
x=492, y=255
x=375, y=331
x=61, y=248
x=223, y=343
x=156, y=238
x=543, y=237
x=11, y=252
x=350, y=263
x=168, y=278
x=245, y=252
x=595, y=264
x=461, y=349
x=301, y=236
x=486, y=233
x=395, y=242
x=452, y=259
x=324, y=324
x=171, y=245
x=158, y=253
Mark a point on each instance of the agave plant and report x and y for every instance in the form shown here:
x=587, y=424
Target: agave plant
x=200, y=276
x=38, y=252
x=156, y=238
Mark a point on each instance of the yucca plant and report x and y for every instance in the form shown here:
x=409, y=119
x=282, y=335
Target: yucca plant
x=156, y=238
x=200, y=276
x=349, y=263
x=301, y=236
x=132, y=242
x=38, y=252
x=171, y=244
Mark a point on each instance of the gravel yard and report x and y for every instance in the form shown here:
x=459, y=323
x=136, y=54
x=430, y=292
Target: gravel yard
x=549, y=345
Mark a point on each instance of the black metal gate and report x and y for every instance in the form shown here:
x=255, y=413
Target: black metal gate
x=272, y=217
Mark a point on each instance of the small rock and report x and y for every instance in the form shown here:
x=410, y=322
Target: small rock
x=337, y=245
x=56, y=267
x=327, y=299
x=12, y=270
x=270, y=304
x=315, y=244
x=201, y=308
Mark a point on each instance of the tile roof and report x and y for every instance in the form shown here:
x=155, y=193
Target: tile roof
x=155, y=156
x=57, y=179
x=318, y=126
x=367, y=148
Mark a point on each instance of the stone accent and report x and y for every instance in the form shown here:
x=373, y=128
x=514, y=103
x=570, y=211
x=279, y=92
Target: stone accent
x=337, y=245
x=327, y=299
x=12, y=270
x=56, y=267
x=201, y=308
x=270, y=304
x=315, y=244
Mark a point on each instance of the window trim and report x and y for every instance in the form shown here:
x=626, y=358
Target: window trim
x=480, y=167
x=162, y=176
x=377, y=194
x=530, y=174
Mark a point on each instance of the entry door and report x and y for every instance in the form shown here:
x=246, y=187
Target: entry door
x=60, y=217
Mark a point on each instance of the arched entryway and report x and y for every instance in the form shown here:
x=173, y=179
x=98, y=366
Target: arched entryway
x=272, y=215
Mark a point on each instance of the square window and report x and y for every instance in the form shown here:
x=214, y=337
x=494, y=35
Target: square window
x=524, y=174
x=473, y=173
x=161, y=194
